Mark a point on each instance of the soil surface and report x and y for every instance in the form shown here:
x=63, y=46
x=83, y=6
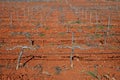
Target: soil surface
x=60, y=40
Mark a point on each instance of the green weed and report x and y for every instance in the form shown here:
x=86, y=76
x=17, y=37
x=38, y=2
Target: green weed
x=41, y=34
x=58, y=70
x=76, y=22
x=46, y=28
x=101, y=27
x=94, y=75
x=98, y=35
x=62, y=33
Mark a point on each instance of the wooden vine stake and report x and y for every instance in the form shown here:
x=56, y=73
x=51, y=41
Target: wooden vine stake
x=71, y=56
x=11, y=20
x=96, y=23
x=107, y=31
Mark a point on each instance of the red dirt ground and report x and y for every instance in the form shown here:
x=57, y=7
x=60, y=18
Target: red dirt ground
x=50, y=25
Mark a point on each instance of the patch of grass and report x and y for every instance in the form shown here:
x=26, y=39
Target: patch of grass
x=62, y=33
x=41, y=34
x=101, y=27
x=58, y=70
x=47, y=28
x=110, y=26
x=76, y=22
x=98, y=35
x=94, y=75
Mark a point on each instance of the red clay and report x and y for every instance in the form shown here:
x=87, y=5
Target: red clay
x=49, y=25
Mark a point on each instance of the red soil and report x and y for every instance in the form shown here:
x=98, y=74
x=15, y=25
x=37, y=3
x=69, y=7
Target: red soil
x=46, y=25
